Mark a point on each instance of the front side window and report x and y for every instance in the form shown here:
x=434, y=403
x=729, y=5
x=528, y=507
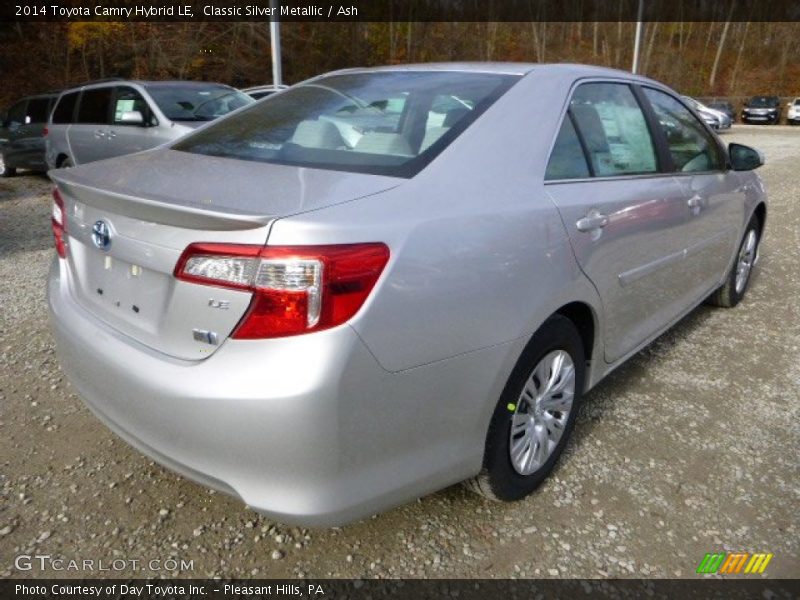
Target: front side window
x=94, y=105
x=691, y=145
x=384, y=122
x=37, y=110
x=65, y=108
x=614, y=129
x=567, y=161
x=127, y=99
x=196, y=102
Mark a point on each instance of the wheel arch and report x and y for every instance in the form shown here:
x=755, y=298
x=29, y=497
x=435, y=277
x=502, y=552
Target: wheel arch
x=583, y=317
x=760, y=211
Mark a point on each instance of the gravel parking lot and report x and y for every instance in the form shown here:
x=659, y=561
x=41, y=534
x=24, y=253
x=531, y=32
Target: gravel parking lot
x=691, y=447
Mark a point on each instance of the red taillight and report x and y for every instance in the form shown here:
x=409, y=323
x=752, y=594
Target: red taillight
x=45, y=131
x=296, y=289
x=59, y=223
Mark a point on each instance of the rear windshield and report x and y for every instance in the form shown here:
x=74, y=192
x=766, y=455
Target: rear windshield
x=197, y=103
x=764, y=101
x=386, y=122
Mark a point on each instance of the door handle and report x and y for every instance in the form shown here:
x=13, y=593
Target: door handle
x=695, y=202
x=111, y=134
x=593, y=220
x=99, y=133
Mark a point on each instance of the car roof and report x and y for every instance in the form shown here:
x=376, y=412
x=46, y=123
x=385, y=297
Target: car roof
x=509, y=68
x=147, y=83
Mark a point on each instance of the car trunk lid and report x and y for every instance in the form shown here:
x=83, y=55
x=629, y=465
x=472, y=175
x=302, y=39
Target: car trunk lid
x=129, y=220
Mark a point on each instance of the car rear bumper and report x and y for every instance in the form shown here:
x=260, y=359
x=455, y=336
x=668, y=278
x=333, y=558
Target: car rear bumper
x=307, y=430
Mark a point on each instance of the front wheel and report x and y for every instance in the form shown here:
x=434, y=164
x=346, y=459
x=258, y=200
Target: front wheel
x=5, y=170
x=535, y=414
x=732, y=291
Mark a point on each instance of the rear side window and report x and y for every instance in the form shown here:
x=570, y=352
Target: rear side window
x=37, y=110
x=16, y=115
x=691, y=145
x=65, y=108
x=94, y=106
x=567, y=160
x=614, y=129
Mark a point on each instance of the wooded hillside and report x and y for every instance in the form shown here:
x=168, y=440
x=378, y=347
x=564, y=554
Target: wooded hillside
x=701, y=59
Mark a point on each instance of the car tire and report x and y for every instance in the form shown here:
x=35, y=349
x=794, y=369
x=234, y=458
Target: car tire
x=733, y=290
x=5, y=170
x=556, y=349
x=66, y=164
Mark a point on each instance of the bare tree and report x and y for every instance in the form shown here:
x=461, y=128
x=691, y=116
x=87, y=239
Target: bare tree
x=712, y=78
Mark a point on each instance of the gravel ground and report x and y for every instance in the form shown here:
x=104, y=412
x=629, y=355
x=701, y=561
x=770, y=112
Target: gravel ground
x=691, y=447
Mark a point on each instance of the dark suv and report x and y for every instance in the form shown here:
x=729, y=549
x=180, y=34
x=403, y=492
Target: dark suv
x=762, y=109
x=22, y=134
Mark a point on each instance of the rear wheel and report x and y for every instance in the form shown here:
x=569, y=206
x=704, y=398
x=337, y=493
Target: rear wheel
x=735, y=286
x=5, y=170
x=66, y=163
x=535, y=415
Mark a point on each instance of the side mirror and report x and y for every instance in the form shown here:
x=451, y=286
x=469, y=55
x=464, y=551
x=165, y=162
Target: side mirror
x=132, y=117
x=744, y=158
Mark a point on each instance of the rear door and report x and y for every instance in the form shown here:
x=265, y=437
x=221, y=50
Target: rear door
x=126, y=138
x=625, y=217
x=88, y=137
x=715, y=199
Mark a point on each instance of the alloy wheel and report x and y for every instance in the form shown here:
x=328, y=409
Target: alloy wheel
x=541, y=412
x=747, y=256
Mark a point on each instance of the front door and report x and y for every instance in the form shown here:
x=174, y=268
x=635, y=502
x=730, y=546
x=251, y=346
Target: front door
x=715, y=199
x=128, y=138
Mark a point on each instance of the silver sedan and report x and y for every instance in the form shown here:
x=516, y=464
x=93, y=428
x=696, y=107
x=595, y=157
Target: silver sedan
x=381, y=282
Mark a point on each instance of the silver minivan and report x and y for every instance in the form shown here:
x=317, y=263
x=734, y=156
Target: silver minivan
x=115, y=117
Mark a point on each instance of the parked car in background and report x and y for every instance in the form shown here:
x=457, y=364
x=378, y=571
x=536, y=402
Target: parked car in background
x=762, y=109
x=326, y=327
x=22, y=130
x=725, y=108
x=716, y=119
x=262, y=91
x=793, y=114
x=115, y=117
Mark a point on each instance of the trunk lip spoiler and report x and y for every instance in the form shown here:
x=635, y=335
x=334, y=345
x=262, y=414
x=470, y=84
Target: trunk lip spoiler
x=190, y=216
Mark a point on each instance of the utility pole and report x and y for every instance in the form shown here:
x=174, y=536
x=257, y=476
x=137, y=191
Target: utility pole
x=275, y=43
x=638, y=40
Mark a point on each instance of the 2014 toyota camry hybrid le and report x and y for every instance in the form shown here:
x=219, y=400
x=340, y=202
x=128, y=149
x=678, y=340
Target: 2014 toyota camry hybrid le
x=381, y=282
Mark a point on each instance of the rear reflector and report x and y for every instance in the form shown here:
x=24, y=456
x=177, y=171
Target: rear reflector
x=59, y=224
x=296, y=289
